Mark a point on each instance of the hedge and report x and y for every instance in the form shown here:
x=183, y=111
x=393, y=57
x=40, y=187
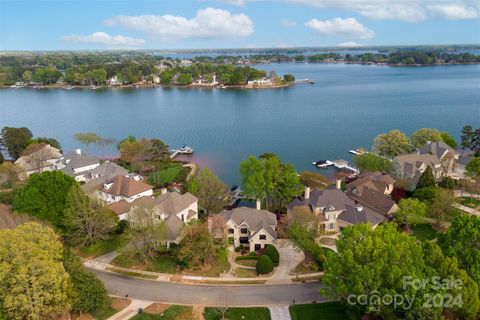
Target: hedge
x=264, y=265
x=247, y=258
x=272, y=253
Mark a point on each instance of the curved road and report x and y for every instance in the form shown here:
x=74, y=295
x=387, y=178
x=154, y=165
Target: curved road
x=211, y=295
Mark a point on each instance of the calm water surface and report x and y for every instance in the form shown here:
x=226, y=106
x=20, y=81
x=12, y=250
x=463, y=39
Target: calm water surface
x=346, y=108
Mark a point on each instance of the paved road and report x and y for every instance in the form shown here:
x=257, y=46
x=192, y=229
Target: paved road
x=210, y=295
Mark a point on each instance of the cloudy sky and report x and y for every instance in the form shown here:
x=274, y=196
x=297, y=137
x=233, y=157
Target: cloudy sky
x=182, y=24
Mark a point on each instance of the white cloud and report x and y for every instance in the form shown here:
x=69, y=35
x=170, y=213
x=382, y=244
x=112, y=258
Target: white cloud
x=348, y=28
x=349, y=44
x=209, y=23
x=454, y=11
x=105, y=39
x=288, y=23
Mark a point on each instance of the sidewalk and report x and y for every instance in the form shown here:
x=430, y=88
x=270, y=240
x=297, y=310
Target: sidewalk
x=165, y=277
x=466, y=209
x=280, y=313
x=131, y=310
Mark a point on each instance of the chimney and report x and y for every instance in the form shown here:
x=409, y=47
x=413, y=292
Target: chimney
x=339, y=184
x=210, y=225
x=307, y=192
x=78, y=151
x=163, y=191
x=259, y=205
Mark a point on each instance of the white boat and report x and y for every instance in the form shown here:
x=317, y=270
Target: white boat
x=322, y=163
x=186, y=149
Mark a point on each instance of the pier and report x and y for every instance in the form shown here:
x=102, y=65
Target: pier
x=182, y=150
x=307, y=81
x=343, y=164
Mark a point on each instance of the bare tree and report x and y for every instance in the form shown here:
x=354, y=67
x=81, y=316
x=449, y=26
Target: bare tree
x=36, y=155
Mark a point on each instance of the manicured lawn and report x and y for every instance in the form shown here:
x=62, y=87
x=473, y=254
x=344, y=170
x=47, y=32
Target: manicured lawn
x=245, y=273
x=165, y=176
x=237, y=314
x=173, y=312
x=104, y=246
x=469, y=202
x=424, y=232
x=248, y=263
x=104, y=313
x=163, y=263
x=217, y=267
x=323, y=311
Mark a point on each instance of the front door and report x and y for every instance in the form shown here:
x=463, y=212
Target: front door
x=257, y=247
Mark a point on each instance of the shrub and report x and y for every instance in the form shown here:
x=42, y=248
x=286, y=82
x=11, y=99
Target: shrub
x=272, y=253
x=252, y=254
x=249, y=257
x=231, y=240
x=122, y=225
x=426, y=194
x=264, y=265
x=448, y=183
x=239, y=248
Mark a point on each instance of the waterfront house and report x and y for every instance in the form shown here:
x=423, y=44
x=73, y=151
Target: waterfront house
x=44, y=158
x=124, y=188
x=250, y=227
x=260, y=82
x=334, y=210
x=171, y=208
x=372, y=190
x=436, y=155
x=77, y=164
x=114, y=81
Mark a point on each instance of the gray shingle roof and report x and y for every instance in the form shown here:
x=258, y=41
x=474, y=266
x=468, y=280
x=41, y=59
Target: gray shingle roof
x=436, y=148
x=173, y=202
x=353, y=215
x=331, y=199
x=73, y=160
x=255, y=219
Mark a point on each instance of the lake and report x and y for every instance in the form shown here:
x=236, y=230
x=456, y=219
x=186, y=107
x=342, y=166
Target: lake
x=346, y=108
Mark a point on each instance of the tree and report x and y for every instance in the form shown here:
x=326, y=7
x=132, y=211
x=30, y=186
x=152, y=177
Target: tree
x=289, y=78
x=149, y=234
x=51, y=141
x=197, y=247
x=264, y=265
x=462, y=241
x=166, y=77
x=1, y=158
x=427, y=179
x=86, y=220
x=14, y=140
x=33, y=281
x=44, y=196
x=272, y=253
x=391, y=144
x=27, y=76
x=411, y=211
x=466, y=137
x=472, y=169
x=441, y=204
x=209, y=189
x=185, y=79
x=135, y=152
x=372, y=162
x=87, y=138
x=159, y=150
x=8, y=175
x=425, y=135
x=374, y=262
x=314, y=180
x=449, y=140
x=89, y=293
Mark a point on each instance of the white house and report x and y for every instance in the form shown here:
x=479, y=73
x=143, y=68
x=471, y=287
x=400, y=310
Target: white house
x=260, y=82
x=114, y=81
x=78, y=164
x=124, y=188
x=254, y=228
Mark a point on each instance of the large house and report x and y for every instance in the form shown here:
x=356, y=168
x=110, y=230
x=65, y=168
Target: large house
x=436, y=155
x=372, y=190
x=124, y=188
x=173, y=208
x=45, y=158
x=77, y=164
x=334, y=209
x=250, y=227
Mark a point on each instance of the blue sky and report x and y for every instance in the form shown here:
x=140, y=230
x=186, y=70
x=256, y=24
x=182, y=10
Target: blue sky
x=59, y=25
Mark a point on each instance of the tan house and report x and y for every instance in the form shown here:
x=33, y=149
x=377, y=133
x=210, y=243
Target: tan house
x=45, y=158
x=250, y=227
x=334, y=209
x=124, y=188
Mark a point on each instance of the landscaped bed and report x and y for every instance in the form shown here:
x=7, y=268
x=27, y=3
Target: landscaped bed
x=424, y=232
x=173, y=312
x=237, y=314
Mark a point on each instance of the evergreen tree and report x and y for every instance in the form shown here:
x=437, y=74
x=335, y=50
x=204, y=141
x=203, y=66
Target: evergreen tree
x=427, y=179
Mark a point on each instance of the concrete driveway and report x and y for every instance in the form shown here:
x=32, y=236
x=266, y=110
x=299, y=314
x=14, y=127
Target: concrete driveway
x=290, y=257
x=211, y=295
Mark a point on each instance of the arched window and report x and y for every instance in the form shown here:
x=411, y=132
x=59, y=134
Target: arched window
x=231, y=231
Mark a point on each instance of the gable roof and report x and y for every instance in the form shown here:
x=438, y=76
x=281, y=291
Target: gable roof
x=173, y=202
x=438, y=149
x=356, y=215
x=255, y=219
x=107, y=171
x=331, y=199
x=373, y=199
x=174, y=227
x=74, y=160
x=119, y=207
x=410, y=163
x=126, y=187
x=47, y=152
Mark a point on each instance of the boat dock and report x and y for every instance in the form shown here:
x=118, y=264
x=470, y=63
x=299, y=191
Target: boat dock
x=343, y=164
x=182, y=150
x=322, y=163
x=307, y=81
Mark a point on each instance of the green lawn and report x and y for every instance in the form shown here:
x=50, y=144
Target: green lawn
x=245, y=273
x=165, y=176
x=237, y=314
x=104, y=246
x=173, y=312
x=468, y=201
x=164, y=263
x=248, y=263
x=323, y=311
x=424, y=232
x=217, y=267
x=104, y=313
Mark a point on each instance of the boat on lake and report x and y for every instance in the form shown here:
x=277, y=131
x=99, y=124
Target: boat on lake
x=322, y=163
